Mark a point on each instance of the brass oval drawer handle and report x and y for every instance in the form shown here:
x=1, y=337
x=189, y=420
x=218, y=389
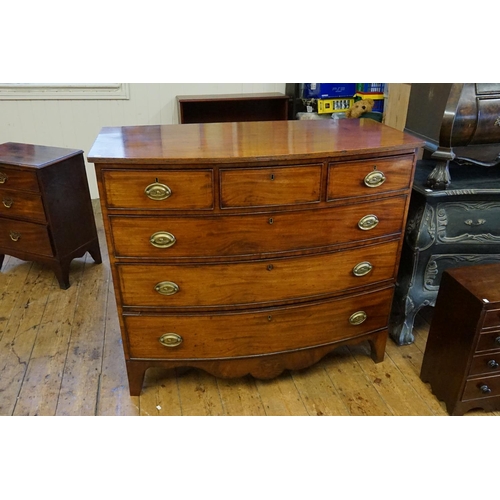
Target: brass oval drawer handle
x=374, y=179
x=158, y=191
x=162, y=239
x=368, y=222
x=362, y=269
x=357, y=318
x=3, y=178
x=14, y=236
x=170, y=340
x=7, y=202
x=166, y=288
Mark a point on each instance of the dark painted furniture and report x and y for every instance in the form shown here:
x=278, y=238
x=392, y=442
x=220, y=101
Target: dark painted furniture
x=45, y=208
x=459, y=226
x=462, y=354
x=232, y=107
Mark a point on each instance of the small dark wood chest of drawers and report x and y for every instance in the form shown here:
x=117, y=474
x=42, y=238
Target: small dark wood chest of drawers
x=252, y=247
x=462, y=355
x=45, y=208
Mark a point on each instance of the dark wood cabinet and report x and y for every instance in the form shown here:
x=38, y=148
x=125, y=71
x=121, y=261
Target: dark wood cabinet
x=232, y=107
x=45, y=211
x=462, y=354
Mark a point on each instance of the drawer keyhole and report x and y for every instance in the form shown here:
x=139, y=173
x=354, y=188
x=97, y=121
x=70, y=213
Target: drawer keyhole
x=271, y=177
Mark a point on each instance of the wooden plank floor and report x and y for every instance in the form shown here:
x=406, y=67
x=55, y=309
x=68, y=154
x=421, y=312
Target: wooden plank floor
x=61, y=354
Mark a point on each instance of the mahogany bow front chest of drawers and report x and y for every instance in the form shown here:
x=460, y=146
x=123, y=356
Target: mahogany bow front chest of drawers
x=45, y=211
x=252, y=247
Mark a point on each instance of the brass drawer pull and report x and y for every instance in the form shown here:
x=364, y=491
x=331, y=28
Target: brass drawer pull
x=162, y=239
x=14, y=236
x=374, y=179
x=158, y=191
x=7, y=202
x=170, y=340
x=362, y=269
x=166, y=288
x=357, y=318
x=368, y=222
x=3, y=178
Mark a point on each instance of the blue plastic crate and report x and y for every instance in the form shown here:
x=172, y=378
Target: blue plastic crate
x=323, y=90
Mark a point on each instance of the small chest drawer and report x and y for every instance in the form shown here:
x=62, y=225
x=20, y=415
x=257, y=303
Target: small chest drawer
x=15, y=178
x=21, y=204
x=368, y=177
x=492, y=319
x=239, y=235
x=485, y=387
x=260, y=332
x=159, y=189
x=251, y=283
x=485, y=364
x=270, y=186
x=25, y=236
x=488, y=341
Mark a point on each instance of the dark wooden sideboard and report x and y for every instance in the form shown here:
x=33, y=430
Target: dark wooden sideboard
x=266, y=106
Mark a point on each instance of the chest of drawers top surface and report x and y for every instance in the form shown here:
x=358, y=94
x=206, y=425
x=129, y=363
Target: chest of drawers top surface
x=32, y=155
x=247, y=141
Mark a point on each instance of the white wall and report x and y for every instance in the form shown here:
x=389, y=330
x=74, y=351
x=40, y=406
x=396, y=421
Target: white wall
x=75, y=124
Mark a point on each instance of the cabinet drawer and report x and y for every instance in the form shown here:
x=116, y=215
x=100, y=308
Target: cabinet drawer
x=242, y=235
x=481, y=388
x=488, y=341
x=270, y=186
x=492, y=319
x=159, y=189
x=14, y=178
x=252, y=283
x=368, y=177
x=25, y=237
x=21, y=204
x=485, y=364
x=259, y=332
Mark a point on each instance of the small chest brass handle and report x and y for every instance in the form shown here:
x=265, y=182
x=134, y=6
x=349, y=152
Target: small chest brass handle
x=374, y=179
x=158, y=191
x=3, y=178
x=162, y=239
x=368, y=222
x=166, y=288
x=362, y=269
x=14, y=236
x=357, y=318
x=170, y=340
x=7, y=202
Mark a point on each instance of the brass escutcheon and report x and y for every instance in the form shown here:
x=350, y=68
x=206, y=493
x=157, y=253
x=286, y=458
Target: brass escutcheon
x=368, y=222
x=170, y=340
x=374, y=179
x=7, y=202
x=166, y=288
x=158, y=191
x=14, y=236
x=3, y=178
x=362, y=269
x=357, y=318
x=162, y=239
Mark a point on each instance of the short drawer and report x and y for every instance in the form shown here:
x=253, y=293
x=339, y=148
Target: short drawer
x=261, y=187
x=259, y=332
x=488, y=341
x=159, y=189
x=368, y=177
x=21, y=204
x=492, y=319
x=481, y=388
x=485, y=364
x=242, y=235
x=254, y=283
x=15, y=178
x=26, y=237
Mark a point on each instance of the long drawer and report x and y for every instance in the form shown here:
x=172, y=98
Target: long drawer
x=239, y=235
x=253, y=333
x=23, y=236
x=251, y=283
